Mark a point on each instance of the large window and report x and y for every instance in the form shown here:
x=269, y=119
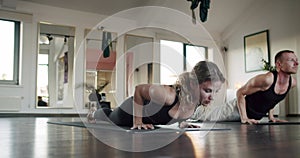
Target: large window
x=177, y=57
x=9, y=51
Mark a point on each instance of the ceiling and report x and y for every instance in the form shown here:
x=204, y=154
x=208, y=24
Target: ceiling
x=222, y=13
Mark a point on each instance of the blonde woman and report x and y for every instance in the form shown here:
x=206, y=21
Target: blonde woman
x=165, y=104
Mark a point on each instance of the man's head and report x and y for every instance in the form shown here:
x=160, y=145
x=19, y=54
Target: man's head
x=286, y=61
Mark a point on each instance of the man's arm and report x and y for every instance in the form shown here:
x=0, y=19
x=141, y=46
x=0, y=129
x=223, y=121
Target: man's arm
x=271, y=116
x=273, y=119
x=255, y=84
x=271, y=112
x=294, y=82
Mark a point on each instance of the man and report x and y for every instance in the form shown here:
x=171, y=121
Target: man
x=41, y=102
x=259, y=95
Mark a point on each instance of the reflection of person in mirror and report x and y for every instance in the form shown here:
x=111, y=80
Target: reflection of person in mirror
x=165, y=104
x=41, y=102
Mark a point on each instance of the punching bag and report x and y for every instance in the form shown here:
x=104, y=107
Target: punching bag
x=106, y=42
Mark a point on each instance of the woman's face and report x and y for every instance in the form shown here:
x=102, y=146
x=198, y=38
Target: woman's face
x=207, y=91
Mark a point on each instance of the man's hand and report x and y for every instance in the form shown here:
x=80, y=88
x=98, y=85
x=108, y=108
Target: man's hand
x=276, y=120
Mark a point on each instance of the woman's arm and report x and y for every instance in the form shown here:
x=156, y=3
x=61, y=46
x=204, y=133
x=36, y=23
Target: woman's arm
x=155, y=93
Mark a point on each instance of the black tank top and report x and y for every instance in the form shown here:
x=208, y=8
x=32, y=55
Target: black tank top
x=258, y=104
x=160, y=114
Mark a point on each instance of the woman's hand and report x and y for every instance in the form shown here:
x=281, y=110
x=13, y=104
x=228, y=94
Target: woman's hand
x=249, y=121
x=185, y=124
x=138, y=124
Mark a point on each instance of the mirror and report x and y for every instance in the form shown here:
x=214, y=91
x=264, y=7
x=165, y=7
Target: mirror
x=139, y=61
x=55, y=66
x=100, y=68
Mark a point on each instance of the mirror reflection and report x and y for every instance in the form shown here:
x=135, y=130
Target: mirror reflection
x=55, y=65
x=139, y=61
x=100, y=68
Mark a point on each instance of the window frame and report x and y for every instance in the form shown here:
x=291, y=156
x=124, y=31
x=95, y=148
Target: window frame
x=185, y=51
x=17, y=41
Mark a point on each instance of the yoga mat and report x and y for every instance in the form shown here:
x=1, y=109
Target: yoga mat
x=107, y=126
x=158, y=128
x=278, y=123
x=102, y=126
x=203, y=127
x=261, y=123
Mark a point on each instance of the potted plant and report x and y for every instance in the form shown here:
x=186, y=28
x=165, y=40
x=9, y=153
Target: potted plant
x=267, y=66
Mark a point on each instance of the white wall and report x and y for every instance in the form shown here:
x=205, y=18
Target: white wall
x=27, y=89
x=171, y=20
x=281, y=18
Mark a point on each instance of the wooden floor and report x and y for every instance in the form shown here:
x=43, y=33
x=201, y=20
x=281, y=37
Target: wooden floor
x=32, y=137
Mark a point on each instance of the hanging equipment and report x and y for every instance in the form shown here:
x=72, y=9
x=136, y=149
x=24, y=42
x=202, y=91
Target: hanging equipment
x=203, y=9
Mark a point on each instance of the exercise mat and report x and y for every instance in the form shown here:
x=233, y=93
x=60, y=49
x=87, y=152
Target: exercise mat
x=108, y=126
x=104, y=126
x=261, y=123
x=278, y=123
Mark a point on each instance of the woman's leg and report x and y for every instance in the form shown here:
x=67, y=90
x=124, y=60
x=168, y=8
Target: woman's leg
x=123, y=115
x=102, y=114
x=225, y=112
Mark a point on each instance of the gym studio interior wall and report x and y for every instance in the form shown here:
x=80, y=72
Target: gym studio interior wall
x=282, y=21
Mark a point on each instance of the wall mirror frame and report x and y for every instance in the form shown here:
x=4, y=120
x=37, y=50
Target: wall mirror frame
x=100, y=76
x=139, y=61
x=55, y=68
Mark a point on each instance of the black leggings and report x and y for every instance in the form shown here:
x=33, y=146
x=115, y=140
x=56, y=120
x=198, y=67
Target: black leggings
x=121, y=116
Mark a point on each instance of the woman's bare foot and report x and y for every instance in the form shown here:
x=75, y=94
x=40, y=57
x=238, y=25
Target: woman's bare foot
x=90, y=115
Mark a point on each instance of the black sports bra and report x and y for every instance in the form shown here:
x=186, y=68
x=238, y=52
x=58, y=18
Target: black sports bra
x=162, y=115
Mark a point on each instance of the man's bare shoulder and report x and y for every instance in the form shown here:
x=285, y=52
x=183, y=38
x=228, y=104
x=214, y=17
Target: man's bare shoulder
x=264, y=80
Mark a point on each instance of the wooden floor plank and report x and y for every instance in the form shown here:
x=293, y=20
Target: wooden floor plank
x=30, y=137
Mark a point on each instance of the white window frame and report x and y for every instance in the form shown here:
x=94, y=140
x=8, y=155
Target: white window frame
x=16, y=59
x=169, y=72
